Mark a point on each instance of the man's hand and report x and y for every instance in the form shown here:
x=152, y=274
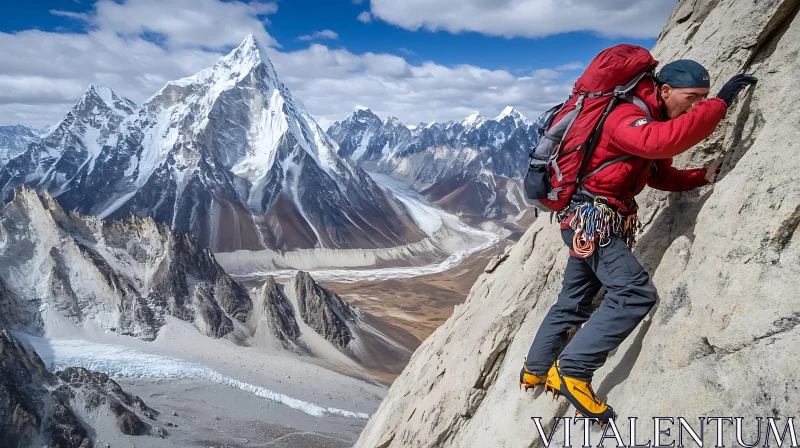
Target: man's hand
x=712, y=169
x=732, y=88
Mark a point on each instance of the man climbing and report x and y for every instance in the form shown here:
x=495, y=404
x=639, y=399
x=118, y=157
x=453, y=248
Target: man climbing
x=640, y=143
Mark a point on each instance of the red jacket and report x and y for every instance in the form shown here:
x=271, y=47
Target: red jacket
x=652, y=143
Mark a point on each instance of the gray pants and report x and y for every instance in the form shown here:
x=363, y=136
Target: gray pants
x=631, y=294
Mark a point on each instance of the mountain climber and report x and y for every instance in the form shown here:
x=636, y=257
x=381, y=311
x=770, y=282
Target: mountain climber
x=682, y=117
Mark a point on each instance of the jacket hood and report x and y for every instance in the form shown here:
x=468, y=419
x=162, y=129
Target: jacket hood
x=647, y=91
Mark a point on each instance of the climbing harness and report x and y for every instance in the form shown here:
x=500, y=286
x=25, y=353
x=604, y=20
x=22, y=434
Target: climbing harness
x=597, y=221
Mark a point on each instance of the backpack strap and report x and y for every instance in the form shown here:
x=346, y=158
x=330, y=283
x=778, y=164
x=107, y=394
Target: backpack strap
x=621, y=93
x=570, y=120
x=607, y=164
x=633, y=100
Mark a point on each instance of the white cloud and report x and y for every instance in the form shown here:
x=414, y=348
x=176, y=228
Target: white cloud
x=184, y=23
x=45, y=73
x=331, y=82
x=570, y=66
x=70, y=14
x=528, y=18
x=319, y=35
x=545, y=74
x=365, y=17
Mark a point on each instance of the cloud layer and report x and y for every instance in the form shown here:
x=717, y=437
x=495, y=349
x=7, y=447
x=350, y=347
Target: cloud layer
x=127, y=49
x=331, y=82
x=528, y=18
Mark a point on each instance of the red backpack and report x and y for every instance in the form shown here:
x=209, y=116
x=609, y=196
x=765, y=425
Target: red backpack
x=570, y=131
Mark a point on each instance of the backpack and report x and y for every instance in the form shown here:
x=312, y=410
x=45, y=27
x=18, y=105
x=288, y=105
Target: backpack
x=570, y=131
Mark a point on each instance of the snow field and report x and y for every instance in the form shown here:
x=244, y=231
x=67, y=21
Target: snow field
x=122, y=362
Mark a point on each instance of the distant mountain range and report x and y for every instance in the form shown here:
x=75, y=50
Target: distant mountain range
x=228, y=155
x=472, y=166
x=14, y=140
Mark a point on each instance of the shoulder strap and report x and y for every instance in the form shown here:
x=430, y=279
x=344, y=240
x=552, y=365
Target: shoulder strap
x=633, y=99
x=621, y=93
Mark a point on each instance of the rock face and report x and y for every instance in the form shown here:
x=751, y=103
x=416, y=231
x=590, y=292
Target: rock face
x=93, y=391
x=277, y=317
x=472, y=166
x=370, y=341
x=721, y=341
x=324, y=310
x=124, y=276
x=228, y=155
x=38, y=408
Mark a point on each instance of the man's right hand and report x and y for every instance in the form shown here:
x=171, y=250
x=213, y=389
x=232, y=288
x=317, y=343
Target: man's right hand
x=734, y=86
x=713, y=168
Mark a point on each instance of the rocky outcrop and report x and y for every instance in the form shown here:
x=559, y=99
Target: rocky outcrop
x=94, y=391
x=371, y=341
x=38, y=408
x=323, y=310
x=721, y=341
x=124, y=276
x=277, y=318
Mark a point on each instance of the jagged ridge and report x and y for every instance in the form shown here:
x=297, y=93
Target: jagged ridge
x=124, y=276
x=228, y=155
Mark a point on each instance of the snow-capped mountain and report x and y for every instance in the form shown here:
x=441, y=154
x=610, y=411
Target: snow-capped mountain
x=66, y=154
x=124, y=276
x=14, y=140
x=472, y=166
x=227, y=154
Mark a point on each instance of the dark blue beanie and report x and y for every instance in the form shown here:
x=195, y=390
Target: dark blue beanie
x=684, y=73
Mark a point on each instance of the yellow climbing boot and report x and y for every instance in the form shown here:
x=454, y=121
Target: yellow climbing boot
x=579, y=393
x=529, y=379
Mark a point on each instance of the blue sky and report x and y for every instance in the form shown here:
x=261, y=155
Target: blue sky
x=423, y=60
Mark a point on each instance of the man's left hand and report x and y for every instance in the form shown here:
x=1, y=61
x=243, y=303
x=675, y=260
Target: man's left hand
x=712, y=169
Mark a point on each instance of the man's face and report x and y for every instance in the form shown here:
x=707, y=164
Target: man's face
x=681, y=100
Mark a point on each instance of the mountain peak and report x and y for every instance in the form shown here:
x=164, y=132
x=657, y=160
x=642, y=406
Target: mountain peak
x=97, y=93
x=251, y=46
x=475, y=119
x=236, y=64
x=249, y=53
x=363, y=114
x=509, y=111
x=394, y=121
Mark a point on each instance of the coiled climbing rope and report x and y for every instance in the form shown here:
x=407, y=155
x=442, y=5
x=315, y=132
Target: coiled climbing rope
x=597, y=221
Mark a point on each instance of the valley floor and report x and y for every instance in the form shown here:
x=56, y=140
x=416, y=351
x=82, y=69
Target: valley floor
x=208, y=414
x=224, y=395
x=418, y=304
x=217, y=393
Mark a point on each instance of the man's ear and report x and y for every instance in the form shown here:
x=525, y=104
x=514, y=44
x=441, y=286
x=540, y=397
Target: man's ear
x=665, y=90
